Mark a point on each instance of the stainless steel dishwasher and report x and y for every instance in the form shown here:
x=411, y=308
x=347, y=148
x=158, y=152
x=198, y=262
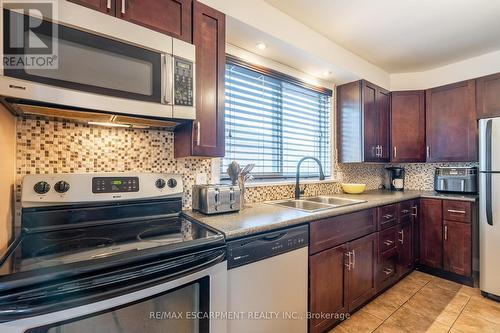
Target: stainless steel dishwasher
x=267, y=282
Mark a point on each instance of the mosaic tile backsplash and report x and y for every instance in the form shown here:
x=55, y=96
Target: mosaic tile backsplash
x=45, y=146
x=48, y=146
x=420, y=176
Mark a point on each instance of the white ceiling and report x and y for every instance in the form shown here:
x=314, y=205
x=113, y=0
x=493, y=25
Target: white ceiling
x=403, y=35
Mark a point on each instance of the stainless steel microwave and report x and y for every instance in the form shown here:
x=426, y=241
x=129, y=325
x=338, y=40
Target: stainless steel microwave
x=104, y=64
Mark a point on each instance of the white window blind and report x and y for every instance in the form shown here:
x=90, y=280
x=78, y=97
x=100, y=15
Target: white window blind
x=274, y=121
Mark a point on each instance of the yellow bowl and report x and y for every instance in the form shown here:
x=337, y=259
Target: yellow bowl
x=353, y=188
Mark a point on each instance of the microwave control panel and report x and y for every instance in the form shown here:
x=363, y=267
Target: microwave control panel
x=183, y=82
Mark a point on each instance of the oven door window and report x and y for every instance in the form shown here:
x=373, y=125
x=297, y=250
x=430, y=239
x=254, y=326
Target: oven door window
x=182, y=310
x=95, y=64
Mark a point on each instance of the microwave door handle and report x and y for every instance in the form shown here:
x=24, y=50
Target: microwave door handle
x=168, y=75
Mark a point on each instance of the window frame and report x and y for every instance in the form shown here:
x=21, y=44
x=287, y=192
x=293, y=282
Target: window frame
x=277, y=177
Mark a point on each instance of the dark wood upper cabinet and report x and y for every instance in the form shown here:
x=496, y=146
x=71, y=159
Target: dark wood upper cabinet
x=457, y=248
x=104, y=6
x=431, y=233
x=488, y=96
x=327, y=281
x=408, y=126
x=171, y=17
x=363, y=120
x=451, y=127
x=205, y=136
x=361, y=285
x=384, y=123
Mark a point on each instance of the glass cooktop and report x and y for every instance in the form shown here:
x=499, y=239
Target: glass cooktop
x=60, y=247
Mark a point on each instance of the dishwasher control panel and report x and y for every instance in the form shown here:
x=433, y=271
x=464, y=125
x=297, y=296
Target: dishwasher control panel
x=254, y=248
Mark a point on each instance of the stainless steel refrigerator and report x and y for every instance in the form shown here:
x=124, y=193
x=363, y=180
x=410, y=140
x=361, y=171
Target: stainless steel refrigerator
x=489, y=207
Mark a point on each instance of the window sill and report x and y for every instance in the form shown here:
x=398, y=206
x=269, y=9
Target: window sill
x=261, y=183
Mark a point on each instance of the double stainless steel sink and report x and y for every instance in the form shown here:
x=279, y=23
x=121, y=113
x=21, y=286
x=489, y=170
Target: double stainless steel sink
x=315, y=204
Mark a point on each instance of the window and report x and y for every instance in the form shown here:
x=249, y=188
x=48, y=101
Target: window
x=274, y=120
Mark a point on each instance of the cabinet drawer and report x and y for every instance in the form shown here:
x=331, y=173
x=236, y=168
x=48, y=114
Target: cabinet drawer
x=405, y=208
x=386, y=272
x=387, y=216
x=337, y=230
x=387, y=239
x=459, y=211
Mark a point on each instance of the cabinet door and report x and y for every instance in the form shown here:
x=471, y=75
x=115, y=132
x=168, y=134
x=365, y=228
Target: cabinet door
x=172, y=17
x=431, y=233
x=327, y=282
x=408, y=126
x=371, y=122
x=488, y=96
x=361, y=284
x=451, y=127
x=405, y=246
x=415, y=215
x=205, y=136
x=384, y=116
x=105, y=6
x=457, y=247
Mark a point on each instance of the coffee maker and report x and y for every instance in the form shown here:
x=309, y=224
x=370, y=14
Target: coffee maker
x=394, y=179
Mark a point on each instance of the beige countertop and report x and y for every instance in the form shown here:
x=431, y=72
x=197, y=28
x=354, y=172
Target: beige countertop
x=265, y=216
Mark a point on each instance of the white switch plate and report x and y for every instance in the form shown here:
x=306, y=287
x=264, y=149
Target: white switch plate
x=201, y=178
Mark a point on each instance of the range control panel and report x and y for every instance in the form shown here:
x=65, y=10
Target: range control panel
x=183, y=82
x=115, y=184
x=52, y=189
x=250, y=249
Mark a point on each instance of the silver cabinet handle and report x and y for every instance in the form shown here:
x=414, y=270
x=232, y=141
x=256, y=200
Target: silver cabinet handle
x=428, y=152
x=108, y=4
x=381, y=151
x=353, y=259
x=457, y=211
x=388, y=216
x=445, y=232
x=395, y=151
x=402, y=239
x=348, y=264
x=123, y=7
x=405, y=211
x=388, y=242
x=198, y=133
x=415, y=211
x=387, y=271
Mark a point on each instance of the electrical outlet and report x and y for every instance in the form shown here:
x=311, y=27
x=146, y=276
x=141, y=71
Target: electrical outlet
x=201, y=178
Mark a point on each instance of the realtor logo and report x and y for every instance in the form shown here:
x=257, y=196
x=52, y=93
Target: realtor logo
x=29, y=37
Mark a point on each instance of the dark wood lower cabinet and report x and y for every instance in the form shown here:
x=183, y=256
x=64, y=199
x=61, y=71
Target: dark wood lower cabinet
x=457, y=248
x=341, y=279
x=327, y=281
x=344, y=277
x=431, y=233
x=405, y=246
x=361, y=273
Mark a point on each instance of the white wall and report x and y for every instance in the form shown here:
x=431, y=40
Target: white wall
x=7, y=174
x=463, y=70
x=282, y=68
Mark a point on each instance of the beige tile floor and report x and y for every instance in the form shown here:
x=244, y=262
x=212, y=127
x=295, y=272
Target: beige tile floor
x=425, y=303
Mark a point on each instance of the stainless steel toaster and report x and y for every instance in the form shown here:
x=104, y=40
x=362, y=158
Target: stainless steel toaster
x=214, y=199
x=460, y=180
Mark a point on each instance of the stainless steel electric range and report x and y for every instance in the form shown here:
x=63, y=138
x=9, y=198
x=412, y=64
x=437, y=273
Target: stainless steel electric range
x=111, y=253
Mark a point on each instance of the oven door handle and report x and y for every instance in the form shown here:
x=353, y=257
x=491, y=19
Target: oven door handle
x=75, y=292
